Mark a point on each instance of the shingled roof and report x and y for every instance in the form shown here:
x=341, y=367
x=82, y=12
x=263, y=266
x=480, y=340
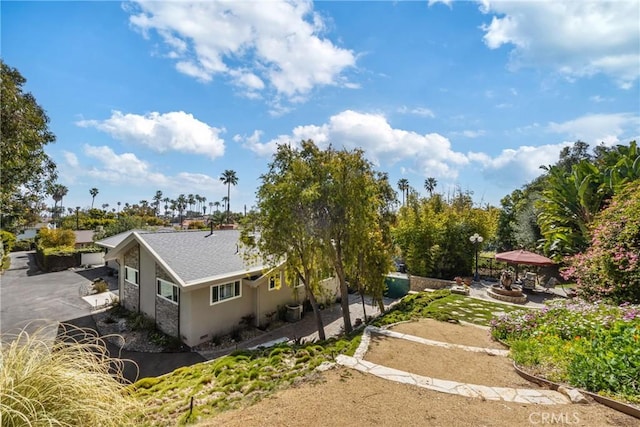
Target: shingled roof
x=195, y=256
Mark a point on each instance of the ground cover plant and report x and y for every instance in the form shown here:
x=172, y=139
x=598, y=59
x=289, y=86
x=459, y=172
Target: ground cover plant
x=445, y=306
x=192, y=393
x=590, y=345
x=69, y=381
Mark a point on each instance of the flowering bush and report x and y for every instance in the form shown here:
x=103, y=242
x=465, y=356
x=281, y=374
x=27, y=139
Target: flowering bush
x=610, y=268
x=587, y=344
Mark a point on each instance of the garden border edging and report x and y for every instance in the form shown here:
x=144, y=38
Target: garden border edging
x=607, y=401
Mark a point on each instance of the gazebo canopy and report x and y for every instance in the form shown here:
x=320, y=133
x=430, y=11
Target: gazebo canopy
x=523, y=257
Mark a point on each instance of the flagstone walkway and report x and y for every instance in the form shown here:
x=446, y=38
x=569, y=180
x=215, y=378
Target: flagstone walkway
x=535, y=396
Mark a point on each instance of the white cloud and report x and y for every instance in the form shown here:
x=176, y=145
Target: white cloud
x=174, y=131
x=596, y=128
x=277, y=45
x=517, y=165
x=470, y=133
x=418, y=111
x=127, y=169
x=431, y=153
x=576, y=38
x=71, y=159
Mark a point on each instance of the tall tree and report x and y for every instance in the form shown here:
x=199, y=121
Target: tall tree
x=403, y=186
x=286, y=202
x=157, y=198
x=430, y=185
x=229, y=178
x=27, y=172
x=351, y=197
x=58, y=191
x=94, y=192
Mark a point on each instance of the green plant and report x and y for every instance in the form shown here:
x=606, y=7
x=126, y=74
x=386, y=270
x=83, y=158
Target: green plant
x=8, y=240
x=591, y=345
x=71, y=381
x=100, y=286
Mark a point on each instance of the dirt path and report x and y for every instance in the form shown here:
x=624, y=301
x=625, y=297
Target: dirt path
x=342, y=396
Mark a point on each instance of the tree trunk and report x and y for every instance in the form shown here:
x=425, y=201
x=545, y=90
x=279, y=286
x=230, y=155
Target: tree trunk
x=318, y=315
x=344, y=293
x=364, y=308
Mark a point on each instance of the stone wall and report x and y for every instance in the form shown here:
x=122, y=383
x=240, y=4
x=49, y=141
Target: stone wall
x=131, y=293
x=161, y=274
x=130, y=296
x=167, y=316
x=132, y=258
x=167, y=313
x=419, y=284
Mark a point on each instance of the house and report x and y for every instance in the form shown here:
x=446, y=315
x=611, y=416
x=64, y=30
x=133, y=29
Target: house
x=84, y=238
x=196, y=284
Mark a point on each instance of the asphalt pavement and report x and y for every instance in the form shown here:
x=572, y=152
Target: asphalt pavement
x=30, y=298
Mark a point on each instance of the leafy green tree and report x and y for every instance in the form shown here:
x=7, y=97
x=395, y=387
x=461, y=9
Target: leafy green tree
x=352, y=203
x=610, y=267
x=229, y=178
x=433, y=235
x=283, y=229
x=27, y=171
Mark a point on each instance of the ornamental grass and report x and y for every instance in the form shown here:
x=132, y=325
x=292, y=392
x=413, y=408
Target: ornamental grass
x=70, y=380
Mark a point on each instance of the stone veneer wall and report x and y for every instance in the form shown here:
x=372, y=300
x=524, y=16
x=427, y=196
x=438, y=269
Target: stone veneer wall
x=131, y=293
x=419, y=284
x=167, y=313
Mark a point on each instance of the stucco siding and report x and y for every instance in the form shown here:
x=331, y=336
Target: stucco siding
x=203, y=321
x=268, y=301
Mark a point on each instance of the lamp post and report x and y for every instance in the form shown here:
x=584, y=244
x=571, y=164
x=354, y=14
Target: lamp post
x=476, y=239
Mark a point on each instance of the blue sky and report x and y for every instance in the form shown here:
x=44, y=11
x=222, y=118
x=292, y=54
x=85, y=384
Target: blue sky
x=147, y=96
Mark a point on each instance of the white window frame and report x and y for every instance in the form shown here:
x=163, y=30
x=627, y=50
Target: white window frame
x=237, y=292
x=136, y=275
x=275, y=282
x=175, y=290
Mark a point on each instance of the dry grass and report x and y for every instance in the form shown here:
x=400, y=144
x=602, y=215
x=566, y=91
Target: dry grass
x=67, y=382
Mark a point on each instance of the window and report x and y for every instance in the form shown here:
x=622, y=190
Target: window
x=167, y=290
x=131, y=275
x=228, y=291
x=274, y=282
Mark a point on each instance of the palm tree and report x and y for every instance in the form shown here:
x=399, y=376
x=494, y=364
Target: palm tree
x=211, y=207
x=225, y=203
x=403, y=185
x=203, y=201
x=217, y=205
x=156, y=201
x=229, y=178
x=430, y=185
x=94, y=192
x=58, y=191
x=190, y=201
x=182, y=205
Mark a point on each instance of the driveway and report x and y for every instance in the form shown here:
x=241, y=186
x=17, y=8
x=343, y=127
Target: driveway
x=30, y=297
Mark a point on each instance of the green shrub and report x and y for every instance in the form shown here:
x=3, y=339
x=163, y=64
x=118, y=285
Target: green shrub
x=8, y=240
x=47, y=238
x=23, y=245
x=591, y=345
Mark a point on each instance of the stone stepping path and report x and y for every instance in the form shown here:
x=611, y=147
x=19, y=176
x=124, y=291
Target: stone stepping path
x=541, y=397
